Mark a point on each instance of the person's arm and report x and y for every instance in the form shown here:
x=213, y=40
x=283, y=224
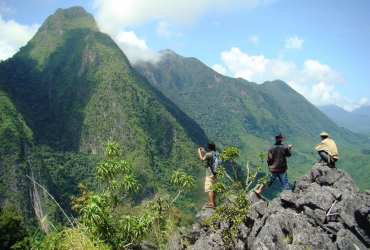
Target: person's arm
x=269, y=157
x=321, y=146
x=288, y=150
x=200, y=151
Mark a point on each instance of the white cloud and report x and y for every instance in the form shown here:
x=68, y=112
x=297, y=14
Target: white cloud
x=254, y=38
x=135, y=49
x=293, y=43
x=163, y=30
x=316, y=81
x=314, y=71
x=13, y=36
x=364, y=102
x=6, y=8
x=136, y=54
x=243, y=65
x=113, y=16
x=219, y=68
x=131, y=39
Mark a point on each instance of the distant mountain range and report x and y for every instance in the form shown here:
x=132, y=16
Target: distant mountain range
x=357, y=120
x=247, y=115
x=364, y=110
x=71, y=89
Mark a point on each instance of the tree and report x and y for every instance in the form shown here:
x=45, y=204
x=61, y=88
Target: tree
x=97, y=211
x=12, y=234
x=236, y=189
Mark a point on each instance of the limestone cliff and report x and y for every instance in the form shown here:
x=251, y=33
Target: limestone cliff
x=324, y=210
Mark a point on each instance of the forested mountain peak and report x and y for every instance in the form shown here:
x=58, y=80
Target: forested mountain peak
x=283, y=86
x=71, y=89
x=55, y=30
x=75, y=90
x=245, y=114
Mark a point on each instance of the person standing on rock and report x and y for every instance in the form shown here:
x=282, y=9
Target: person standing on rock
x=276, y=160
x=327, y=150
x=211, y=177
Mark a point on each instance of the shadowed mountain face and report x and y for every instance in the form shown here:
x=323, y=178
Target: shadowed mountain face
x=357, y=121
x=364, y=110
x=72, y=89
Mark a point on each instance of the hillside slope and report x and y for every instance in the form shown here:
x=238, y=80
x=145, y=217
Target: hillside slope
x=357, y=121
x=247, y=115
x=76, y=90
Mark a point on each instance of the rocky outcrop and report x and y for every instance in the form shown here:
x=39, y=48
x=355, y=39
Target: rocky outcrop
x=324, y=210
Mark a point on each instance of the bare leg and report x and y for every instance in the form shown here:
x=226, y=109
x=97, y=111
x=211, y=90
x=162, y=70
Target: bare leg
x=212, y=198
x=259, y=190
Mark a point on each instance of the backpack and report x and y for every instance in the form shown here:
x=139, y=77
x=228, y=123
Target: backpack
x=216, y=161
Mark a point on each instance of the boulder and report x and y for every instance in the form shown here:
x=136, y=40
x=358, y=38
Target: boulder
x=324, y=210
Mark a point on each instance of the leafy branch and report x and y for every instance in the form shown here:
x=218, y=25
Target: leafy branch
x=238, y=206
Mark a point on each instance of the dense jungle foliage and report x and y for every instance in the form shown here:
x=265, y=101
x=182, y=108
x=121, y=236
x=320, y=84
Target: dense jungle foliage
x=65, y=94
x=71, y=89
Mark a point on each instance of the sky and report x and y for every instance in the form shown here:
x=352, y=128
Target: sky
x=320, y=48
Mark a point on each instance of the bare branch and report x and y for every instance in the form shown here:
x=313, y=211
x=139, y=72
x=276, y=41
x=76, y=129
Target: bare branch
x=53, y=200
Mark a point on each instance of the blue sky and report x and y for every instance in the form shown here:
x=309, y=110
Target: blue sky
x=320, y=48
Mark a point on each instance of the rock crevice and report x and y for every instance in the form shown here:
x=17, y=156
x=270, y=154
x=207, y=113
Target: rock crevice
x=324, y=210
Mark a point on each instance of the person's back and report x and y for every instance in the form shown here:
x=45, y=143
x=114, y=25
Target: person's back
x=277, y=157
x=276, y=160
x=327, y=150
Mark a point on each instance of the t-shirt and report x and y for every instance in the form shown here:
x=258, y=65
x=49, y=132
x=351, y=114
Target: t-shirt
x=208, y=159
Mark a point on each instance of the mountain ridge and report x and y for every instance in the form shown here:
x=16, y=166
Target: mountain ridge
x=357, y=120
x=363, y=110
x=248, y=115
x=76, y=90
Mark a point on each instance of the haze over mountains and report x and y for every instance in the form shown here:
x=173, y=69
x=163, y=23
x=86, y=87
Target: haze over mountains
x=71, y=89
x=357, y=120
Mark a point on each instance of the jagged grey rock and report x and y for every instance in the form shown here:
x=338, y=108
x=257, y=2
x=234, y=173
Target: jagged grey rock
x=324, y=210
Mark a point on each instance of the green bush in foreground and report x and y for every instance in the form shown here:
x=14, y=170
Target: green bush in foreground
x=106, y=219
x=235, y=188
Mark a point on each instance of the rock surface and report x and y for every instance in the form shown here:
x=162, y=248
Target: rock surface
x=324, y=210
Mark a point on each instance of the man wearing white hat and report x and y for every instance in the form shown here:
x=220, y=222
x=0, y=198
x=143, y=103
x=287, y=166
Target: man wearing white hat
x=327, y=149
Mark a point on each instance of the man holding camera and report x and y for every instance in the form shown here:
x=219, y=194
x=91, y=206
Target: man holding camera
x=211, y=177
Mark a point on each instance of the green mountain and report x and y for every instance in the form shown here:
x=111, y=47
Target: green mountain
x=357, y=120
x=66, y=93
x=71, y=89
x=248, y=115
x=364, y=110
